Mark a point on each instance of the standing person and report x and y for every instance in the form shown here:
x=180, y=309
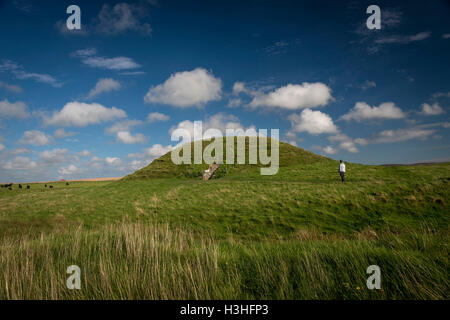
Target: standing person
x=342, y=170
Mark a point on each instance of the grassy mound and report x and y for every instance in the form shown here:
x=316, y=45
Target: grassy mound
x=165, y=168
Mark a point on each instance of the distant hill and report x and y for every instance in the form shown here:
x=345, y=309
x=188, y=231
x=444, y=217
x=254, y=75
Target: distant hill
x=163, y=167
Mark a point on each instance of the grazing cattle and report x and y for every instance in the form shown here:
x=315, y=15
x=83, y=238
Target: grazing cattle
x=51, y=187
x=67, y=183
x=46, y=186
x=20, y=186
x=28, y=187
x=10, y=188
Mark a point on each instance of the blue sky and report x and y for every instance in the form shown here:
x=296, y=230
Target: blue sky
x=102, y=101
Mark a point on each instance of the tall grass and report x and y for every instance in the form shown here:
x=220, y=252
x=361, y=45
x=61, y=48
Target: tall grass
x=139, y=261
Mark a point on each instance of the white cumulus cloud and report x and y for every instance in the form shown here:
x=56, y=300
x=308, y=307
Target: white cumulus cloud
x=128, y=138
x=67, y=171
x=84, y=153
x=20, y=163
x=432, y=110
x=61, y=133
x=125, y=125
x=35, y=138
x=346, y=143
x=104, y=85
x=187, y=89
x=54, y=156
x=313, y=122
x=330, y=150
x=363, y=111
x=156, y=151
x=157, y=116
x=79, y=114
x=220, y=121
x=10, y=110
x=113, y=161
x=293, y=96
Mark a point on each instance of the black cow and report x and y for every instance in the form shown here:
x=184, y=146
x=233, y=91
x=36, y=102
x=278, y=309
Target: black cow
x=67, y=183
x=46, y=186
x=28, y=187
x=20, y=186
x=51, y=187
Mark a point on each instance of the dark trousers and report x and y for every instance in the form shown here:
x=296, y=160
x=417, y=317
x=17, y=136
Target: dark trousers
x=342, y=176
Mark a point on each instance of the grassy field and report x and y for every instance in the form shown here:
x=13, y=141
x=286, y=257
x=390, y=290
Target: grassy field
x=163, y=233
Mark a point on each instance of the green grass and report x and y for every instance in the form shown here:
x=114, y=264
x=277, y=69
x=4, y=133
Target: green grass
x=137, y=261
x=163, y=233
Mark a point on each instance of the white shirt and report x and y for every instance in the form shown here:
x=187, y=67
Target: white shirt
x=342, y=167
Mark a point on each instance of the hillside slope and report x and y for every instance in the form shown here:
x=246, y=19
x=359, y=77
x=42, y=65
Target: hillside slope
x=163, y=167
